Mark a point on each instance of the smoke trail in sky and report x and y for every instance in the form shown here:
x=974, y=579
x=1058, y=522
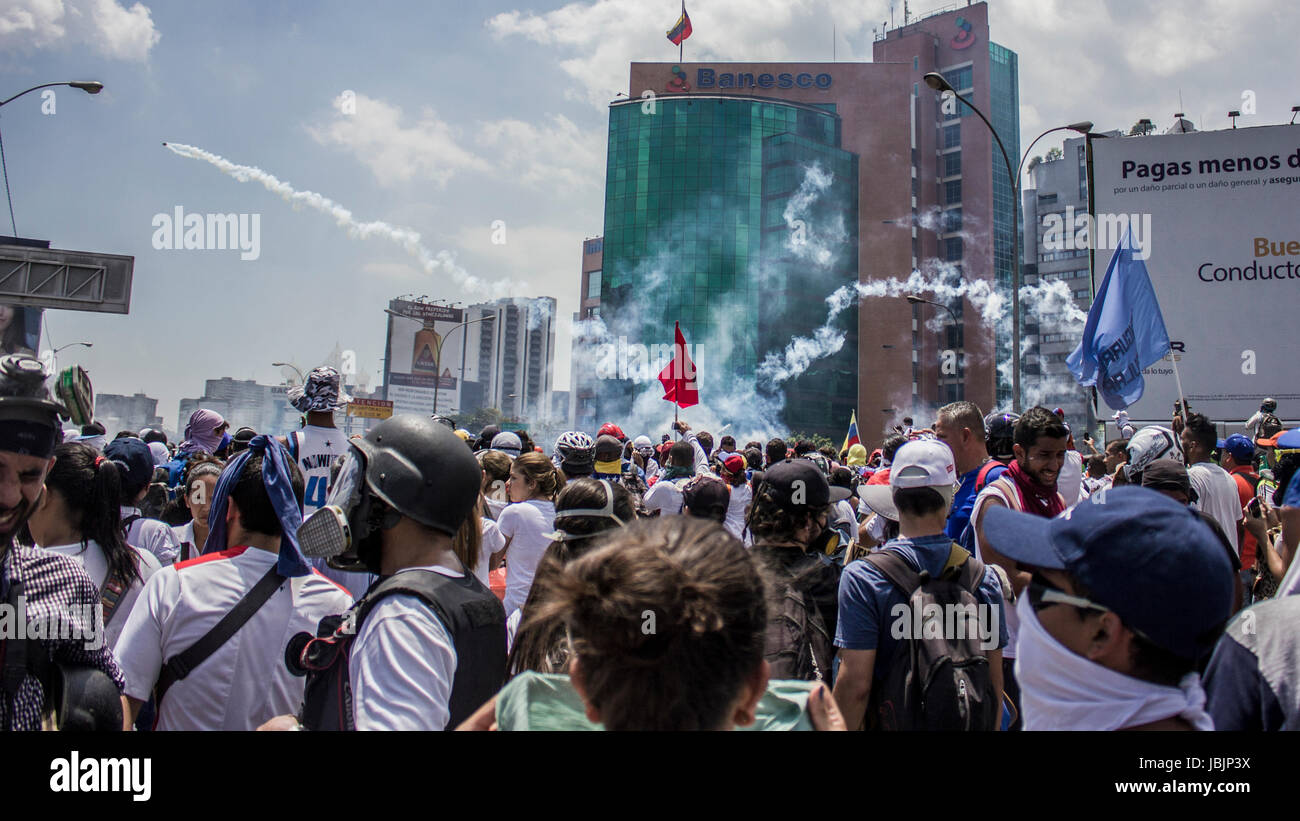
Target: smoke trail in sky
x=409, y=240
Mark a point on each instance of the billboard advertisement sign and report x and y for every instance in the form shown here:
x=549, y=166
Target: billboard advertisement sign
x=421, y=359
x=1214, y=214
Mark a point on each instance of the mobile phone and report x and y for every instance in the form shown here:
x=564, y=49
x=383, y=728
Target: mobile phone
x=1253, y=507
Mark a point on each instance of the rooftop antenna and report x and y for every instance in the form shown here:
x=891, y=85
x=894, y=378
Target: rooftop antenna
x=832, y=42
x=891, y=13
x=907, y=12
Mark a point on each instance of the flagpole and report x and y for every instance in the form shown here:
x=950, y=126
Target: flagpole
x=681, y=44
x=1178, y=380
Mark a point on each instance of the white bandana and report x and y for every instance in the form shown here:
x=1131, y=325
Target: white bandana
x=1062, y=690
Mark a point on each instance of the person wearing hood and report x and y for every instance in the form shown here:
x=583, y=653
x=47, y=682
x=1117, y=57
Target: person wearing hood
x=251, y=558
x=1112, y=632
x=204, y=432
x=508, y=443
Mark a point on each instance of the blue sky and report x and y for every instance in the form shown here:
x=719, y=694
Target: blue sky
x=465, y=114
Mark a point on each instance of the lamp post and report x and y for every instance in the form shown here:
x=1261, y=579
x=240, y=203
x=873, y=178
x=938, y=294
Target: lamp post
x=88, y=86
x=301, y=380
x=437, y=354
x=916, y=300
x=936, y=81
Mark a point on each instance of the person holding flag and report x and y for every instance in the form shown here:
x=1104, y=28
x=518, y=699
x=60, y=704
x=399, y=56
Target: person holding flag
x=678, y=377
x=1125, y=332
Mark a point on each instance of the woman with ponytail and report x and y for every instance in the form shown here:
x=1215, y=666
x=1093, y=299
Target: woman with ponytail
x=78, y=516
x=527, y=522
x=585, y=509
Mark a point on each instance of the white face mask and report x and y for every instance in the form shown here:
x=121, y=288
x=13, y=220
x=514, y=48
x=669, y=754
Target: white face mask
x=1062, y=690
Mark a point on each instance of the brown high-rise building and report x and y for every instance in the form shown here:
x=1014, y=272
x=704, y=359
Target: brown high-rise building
x=709, y=174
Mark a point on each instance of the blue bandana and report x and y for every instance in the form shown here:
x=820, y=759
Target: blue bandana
x=279, y=486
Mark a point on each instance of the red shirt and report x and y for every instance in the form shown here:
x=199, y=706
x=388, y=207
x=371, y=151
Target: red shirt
x=1244, y=476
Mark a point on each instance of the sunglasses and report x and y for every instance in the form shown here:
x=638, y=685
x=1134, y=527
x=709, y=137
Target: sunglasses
x=1042, y=593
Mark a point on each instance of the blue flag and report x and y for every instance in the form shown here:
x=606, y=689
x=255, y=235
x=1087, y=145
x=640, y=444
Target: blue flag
x=1125, y=331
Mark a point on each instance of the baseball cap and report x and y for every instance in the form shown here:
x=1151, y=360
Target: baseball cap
x=924, y=463
x=1239, y=447
x=642, y=442
x=799, y=483
x=1168, y=474
x=1141, y=554
x=508, y=443
x=135, y=457
x=1288, y=440
x=734, y=463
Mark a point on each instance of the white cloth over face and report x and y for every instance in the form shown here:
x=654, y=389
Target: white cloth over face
x=1062, y=690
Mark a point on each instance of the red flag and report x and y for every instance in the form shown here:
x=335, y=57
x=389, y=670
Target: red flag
x=679, y=377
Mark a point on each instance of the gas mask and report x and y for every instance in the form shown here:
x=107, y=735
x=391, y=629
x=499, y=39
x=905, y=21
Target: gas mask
x=347, y=531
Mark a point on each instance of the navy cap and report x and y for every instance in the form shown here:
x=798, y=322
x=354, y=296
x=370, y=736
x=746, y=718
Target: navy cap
x=137, y=459
x=814, y=490
x=1138, y=552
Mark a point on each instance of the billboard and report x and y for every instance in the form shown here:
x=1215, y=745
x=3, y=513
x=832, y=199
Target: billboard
x=421, y=359
x=1214, y=215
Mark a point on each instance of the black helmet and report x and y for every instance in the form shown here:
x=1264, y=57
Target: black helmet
x=422, y=470
x=445, y=420
x=999, y=434
x=23, y=395
x=1269, y=405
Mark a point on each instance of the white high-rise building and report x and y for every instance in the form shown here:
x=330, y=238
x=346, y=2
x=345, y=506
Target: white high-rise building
x=508, y=361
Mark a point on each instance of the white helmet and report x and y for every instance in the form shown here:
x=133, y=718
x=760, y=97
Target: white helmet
x=1149, y=444
x=642, y=442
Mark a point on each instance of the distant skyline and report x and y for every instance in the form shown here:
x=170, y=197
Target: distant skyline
x=456, y=121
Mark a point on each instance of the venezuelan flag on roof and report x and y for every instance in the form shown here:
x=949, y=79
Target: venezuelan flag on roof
x=681, y=30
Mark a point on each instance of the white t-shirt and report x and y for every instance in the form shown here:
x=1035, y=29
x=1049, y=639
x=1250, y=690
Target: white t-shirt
x=317, y=448
x=403, y=665
x=152, y=535
x=95, y=563
x=493, y=542
x=1070, y=479
x=1216, y=493
x=245, y=682
x=666, y=496
x=1011, y=500
x=741, y=495
x=524, y=524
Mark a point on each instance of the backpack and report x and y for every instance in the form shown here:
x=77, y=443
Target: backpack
x=472, y=615
x=982, y=479
x=936, y=682
x=798, y=645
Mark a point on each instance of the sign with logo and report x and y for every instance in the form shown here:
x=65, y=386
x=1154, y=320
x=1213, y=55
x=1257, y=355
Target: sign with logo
x=423, y=355
x=370, y=408
x=965, y=37
x=1219, y=210
x=710, y=78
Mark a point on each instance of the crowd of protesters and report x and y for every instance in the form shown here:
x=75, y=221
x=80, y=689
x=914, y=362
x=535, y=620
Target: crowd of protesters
x=425, y=577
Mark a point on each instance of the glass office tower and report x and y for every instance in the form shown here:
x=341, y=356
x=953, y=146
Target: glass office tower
x=735, y=216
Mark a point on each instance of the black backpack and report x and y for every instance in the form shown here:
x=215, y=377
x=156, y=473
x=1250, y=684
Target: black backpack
x=472, y=615
x=798, y=644
x=939, y=682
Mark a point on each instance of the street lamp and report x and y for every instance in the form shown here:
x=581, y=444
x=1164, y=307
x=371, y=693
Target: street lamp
x=71, y=345
x=916, y=300
x=301, y=380
x=936, y=81
x=88, y=86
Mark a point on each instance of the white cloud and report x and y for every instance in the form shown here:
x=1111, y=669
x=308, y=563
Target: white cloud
x=555, y=152
x=596, y=41
x=394, y=152
x=109, y=28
